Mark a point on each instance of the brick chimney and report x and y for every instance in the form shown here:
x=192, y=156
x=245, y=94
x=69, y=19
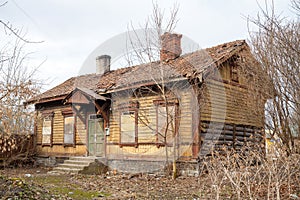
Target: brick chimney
x=102, y=64
x=170, y=46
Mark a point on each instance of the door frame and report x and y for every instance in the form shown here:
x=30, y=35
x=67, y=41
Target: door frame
x=87, y=134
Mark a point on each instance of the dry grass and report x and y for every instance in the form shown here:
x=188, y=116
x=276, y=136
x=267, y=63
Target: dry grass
x=229, y=176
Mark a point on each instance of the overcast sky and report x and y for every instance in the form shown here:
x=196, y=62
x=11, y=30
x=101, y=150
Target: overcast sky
x=72, y=29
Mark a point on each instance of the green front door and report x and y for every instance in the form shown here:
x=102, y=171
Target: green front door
x=96, y=136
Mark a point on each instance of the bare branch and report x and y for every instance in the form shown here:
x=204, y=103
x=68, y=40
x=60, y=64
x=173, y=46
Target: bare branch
x=296, y=6
x=16, y=32
x=3, y=4
x=276, y=46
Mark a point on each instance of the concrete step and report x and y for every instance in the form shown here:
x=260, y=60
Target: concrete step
x=75, y=165
x=67, y=170
x=88, y=159
x=72, y=166
x=77, y=162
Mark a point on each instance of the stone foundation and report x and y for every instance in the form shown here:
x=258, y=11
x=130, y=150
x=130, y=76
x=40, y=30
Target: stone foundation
x=188, y=168
x=136, y=166
x=50, y=161
x=101, y=165
x=157, y=167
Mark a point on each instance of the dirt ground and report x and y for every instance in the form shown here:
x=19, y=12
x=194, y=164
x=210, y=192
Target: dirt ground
x=35, y=183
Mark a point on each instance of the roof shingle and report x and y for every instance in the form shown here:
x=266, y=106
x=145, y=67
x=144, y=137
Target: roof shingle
x=62, y=90
x=188, y=66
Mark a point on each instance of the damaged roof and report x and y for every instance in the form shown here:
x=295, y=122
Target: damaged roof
x=187, y=66
x=60, y=91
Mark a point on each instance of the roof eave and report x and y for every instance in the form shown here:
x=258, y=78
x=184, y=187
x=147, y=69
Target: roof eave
x=46, y=100
x=137, y=85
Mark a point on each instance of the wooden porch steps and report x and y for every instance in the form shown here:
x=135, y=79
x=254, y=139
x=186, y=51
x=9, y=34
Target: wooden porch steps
x=73, y=165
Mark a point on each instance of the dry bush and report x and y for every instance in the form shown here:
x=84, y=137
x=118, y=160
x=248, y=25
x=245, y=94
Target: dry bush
x=250, y=176
x=16, y=149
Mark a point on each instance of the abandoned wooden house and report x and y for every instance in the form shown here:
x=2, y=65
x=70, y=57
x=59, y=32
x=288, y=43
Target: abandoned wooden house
x=179, y=107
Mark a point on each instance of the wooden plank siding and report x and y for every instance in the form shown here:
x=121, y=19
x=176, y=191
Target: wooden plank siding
x=229, y=100
x=224, y=102
x=231, y=136
x=233, y=109
x=60, y=150
x=147, y=138
x=58, y=127
x=57, y=147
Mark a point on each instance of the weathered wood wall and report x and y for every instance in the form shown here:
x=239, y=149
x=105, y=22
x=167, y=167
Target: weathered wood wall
x=147, y=147
x=221, y=137
x=237, y=102
x=232, y=112
x=57, y=148
x=61, y=150
x=222, y=102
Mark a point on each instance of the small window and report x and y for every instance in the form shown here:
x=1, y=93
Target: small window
x=128, y=123
x=128, y=127
x=47, y=130
x=165, y=123
x=234, y=73
x=69, y=130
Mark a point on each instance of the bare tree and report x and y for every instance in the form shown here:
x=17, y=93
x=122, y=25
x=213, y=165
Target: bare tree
x=277, y=47
x=160, y=121
x=18, y=83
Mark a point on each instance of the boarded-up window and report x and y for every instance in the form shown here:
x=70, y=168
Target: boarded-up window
x=165, y=123
x=69, y=130
x=47, y=130
x=128, y=127
x=234, y=73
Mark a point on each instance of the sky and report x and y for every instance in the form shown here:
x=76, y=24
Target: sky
x=72, y=29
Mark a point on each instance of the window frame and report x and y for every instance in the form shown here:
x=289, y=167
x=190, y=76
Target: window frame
x=171, y=102
x=66, y=114
x=48, y=116
x=234, y=73
x=132, y=106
